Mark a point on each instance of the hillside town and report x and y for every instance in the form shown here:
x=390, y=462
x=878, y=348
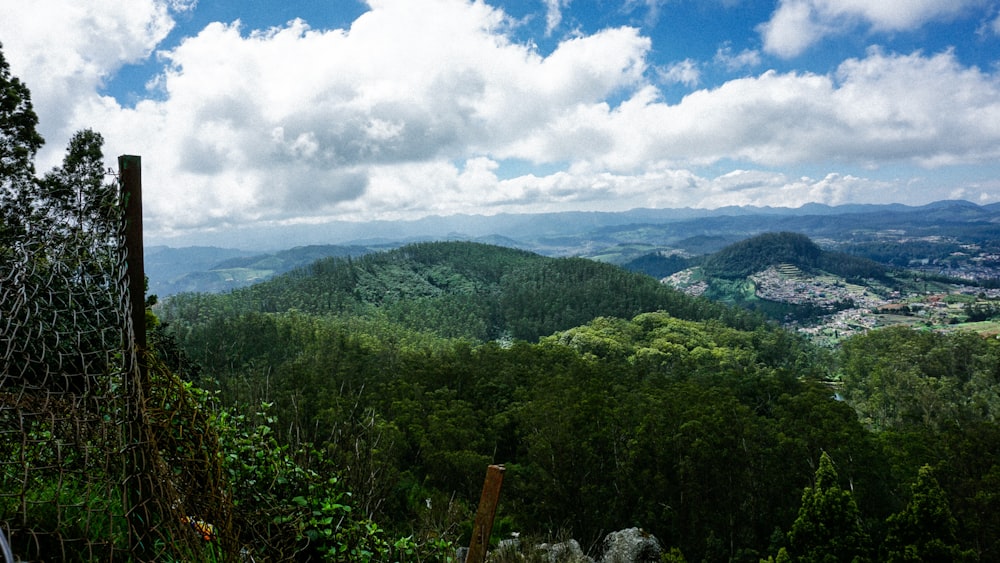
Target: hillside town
x=852, y=308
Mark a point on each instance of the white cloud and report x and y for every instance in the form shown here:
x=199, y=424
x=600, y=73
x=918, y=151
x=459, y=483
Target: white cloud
x=652, y=8
x=792, y=29
x=474, y=186
x=685, y=72
x=796, y=25
x=885, y=108
x=256, y=127
x=182, y=5
x=412, y=109
x=553, y=14
x=65, y=50
x=747, y=58
x=764, y=188
x=895, y=15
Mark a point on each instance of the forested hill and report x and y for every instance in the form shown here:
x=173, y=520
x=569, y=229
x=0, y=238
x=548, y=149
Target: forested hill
x=705, y=434
x=460, y=289
x=757, y=253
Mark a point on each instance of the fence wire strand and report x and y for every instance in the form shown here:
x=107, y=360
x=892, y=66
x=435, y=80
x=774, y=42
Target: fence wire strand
x=96, y=462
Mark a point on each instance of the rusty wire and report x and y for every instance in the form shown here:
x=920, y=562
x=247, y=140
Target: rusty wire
x=91, y=467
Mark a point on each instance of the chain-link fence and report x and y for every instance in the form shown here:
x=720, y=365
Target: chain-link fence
x=104, y=454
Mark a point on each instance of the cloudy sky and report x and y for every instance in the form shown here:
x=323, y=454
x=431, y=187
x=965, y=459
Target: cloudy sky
x=281, y=112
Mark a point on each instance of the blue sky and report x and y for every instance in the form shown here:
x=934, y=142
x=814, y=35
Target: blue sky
x=254, y=113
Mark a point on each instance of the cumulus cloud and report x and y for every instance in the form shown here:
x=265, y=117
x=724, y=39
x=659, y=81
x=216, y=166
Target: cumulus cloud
x=65, y=51
x=255, y=126
x=796, y=25
x=685, y=72
x=884, y=108
x=413, y=109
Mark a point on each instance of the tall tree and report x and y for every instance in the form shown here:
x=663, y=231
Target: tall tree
x=828, y=528
x=58, y=253
x=76, y=214
x=74, y=199
x=19, y=142
x=925, y=530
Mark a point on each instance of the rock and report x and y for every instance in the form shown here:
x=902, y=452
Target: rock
x=563, y=552
x=631, y=546
x=507, y=550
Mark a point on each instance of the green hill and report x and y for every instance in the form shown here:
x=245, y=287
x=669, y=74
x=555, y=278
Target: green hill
x=458, y=289
x=657, y=265
x=757, y=253
x=760, y=274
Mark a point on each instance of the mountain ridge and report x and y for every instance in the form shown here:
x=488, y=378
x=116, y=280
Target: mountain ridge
x=515, y=225
x=619, y=237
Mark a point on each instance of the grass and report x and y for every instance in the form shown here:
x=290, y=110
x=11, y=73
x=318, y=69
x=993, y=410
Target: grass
x=985, y=328
x=243, y=274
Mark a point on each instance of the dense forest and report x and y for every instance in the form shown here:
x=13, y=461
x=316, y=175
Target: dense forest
x=612, y=400
x=459, y=289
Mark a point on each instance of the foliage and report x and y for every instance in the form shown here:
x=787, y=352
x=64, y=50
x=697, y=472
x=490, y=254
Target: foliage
x=456, y=290
x=757, y=253
x=48, y=493
x=347, y=409
x=931, y=379
x=754, y=254
x=657, y=265
x=698, y=424
x=586, y=418
x=981, y=311
x=19, y=142
x=926, y=529
x=59, y=245
x=828, y=528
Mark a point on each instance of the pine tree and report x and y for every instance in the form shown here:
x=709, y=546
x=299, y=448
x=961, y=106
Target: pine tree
x=828, y=528
x=925, y=530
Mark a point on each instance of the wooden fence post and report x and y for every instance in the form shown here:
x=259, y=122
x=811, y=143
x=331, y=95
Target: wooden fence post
x=137, y=490
x=130, y=170
x=483, y=525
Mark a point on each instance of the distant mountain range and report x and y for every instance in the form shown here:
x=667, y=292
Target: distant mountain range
x=616, y=237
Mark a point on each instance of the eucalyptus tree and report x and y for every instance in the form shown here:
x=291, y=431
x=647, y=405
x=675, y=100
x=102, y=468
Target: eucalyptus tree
x=19, y=142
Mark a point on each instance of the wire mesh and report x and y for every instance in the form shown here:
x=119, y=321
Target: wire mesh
x=104, y=454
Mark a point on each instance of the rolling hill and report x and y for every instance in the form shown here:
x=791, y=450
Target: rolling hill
x=783, y=275
x=458, y=289
x=891, y=234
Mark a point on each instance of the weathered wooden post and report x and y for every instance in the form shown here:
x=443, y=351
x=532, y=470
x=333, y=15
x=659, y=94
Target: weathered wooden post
x=130, y=170
x=483, y=524
x=136, y=487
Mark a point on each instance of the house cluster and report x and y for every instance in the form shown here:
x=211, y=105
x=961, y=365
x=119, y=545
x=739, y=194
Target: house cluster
x=782, y=284
x=852, y=308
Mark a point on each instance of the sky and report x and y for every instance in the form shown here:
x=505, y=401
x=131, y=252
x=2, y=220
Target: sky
x=271, y=113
